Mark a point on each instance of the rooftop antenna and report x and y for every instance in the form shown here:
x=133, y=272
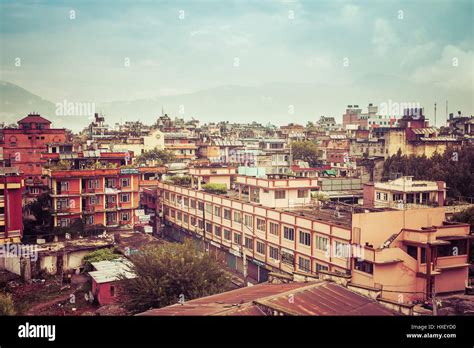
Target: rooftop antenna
x=435, y=114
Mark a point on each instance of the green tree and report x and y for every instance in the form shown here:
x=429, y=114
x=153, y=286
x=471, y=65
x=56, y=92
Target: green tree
x=306, y=151
x=467, y=217
x=107, y=254
x=454, y=166
x=6, y=305
x=170, y=272
x=215, y=188
x=159, y=157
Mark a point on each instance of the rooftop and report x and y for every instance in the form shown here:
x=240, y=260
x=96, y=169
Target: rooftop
x=298, y=298
x=109, y=271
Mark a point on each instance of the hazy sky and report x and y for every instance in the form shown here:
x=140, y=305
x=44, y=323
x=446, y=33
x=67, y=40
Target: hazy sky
x=176, y=47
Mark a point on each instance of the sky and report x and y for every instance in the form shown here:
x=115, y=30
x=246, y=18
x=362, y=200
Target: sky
x=127, y=50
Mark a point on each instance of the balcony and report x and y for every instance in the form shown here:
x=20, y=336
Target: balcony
x=64, y=193
x=112, y=190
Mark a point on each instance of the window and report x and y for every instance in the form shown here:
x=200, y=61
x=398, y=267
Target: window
x=217, y=231
x=280, y=194
x=167, y=195
x=185, y=218
x=342, y=249
x=125, y=197
x=125, y=182
x=260, y=248
x=201, y=206
x=186, y=202
x=208, y=208
x=226, y=234
x=63, y=222
x=179, y=215
x=238, y=216
x=248, y=221
x=125, y=216
x=173, y=213
x=287, y=257
x=289, y=233
x=364, y=266
x=412, y=251
x=456, y=247
x=274, y=229
x=378, y=195
x=302, y=193
x=193, y=221
x=193, y=204
x=208, y=227
x=217, y=211
x=238, y=238
x=304, y=264
x=322, y=243
x=112, y=291
x=227, y=214
x=274, y=253
x=64, y=185
x=249, y=243
x=305, y=238
x=320, y=267
x=110, y=183
x=89, y=219
x=261, y=224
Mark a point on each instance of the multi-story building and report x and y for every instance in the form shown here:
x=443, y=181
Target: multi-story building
x=23, y=147
x=404, y=192
x=355, y=119
x=11, y=190
x=105, y=197
x=272, y=225
x=184, y=145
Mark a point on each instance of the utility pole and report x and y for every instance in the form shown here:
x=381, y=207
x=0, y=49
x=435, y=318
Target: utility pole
x=435, y=114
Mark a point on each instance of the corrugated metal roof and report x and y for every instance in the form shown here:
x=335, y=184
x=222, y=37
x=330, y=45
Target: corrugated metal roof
x=424, y=131
x=109, y=271
x=314, y=298
x=325, y=299
x=439, y=139
x=222, y=304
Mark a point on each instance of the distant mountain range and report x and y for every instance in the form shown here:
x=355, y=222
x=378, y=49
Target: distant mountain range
x=277, y=103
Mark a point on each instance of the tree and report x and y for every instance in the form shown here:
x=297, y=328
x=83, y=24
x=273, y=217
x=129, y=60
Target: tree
x=306, y=151
x=467, y=217
x=184, y=180
x=454, y=166
x=215, y=188
x=6, y=305
x=106, y=254
x=168, y=273
x=159, y=157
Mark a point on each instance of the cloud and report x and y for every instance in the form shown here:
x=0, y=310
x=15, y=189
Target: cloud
x=454, y=70
x=384, y=38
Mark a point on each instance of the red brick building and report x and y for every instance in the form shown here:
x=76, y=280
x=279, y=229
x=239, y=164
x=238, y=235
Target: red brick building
x=22, y=147
x=105, y=197
x=11, y=187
